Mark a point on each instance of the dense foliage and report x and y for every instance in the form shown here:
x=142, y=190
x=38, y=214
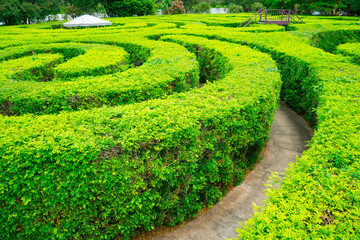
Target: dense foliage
x=107, y=132
x=350, y=49
x=129, y=7
x=177, y=7
x=21, y=12
x=203, y=7
x=328, y=7
x=235, y=9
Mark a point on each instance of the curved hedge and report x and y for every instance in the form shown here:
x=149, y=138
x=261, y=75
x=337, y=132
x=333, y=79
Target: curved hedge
x=350, y=49
x=111, y=171
x=319, y=197
x=30, y=68
x=168, y=69
x=83, y=59
x=328, y=40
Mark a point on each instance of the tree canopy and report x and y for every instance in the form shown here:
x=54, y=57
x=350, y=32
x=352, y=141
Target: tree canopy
x=22, y=12
x=18, y=11
x=26, y=11
x=128, y=7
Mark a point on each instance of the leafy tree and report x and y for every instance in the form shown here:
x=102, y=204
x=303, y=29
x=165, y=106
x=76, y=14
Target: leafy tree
x=233, y=8
x=188, y=4
x=164, y=4
x=177, y=7
x=354, y=6
x=19, y=11
x=76, y=8
x=280, y=4
x=257, y=6
x=327, y=6
x=246, y=4
x=126, y=8
x=203, y=7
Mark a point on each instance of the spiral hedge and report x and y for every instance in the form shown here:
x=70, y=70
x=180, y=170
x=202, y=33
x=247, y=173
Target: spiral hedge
x=109, y=132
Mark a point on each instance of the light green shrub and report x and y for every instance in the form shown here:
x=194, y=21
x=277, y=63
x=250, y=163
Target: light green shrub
x=233, y=8
x=37, y=67
x=202, y=7
x=350, y=49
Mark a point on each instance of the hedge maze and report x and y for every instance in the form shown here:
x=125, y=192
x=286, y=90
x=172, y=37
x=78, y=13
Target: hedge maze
x=109, y=132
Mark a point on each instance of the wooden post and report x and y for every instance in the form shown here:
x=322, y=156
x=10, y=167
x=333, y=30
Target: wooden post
x=289, y=16
x=266, y=16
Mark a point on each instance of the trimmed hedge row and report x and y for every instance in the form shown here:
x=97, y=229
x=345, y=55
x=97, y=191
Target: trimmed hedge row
x=350, y=49
x=302, y=84
x=328, y=40
x=109, y=172
x=96, y=61
x=31, y=68
x=319, y=198
x=87, y=59
x=169, y=68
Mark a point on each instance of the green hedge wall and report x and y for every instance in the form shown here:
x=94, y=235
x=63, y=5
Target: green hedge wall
x=328, y=40
x=118, y=170
x=168, y=69
x=350, y=49
x=109, y=172
x=30, y=68
x=319, y=197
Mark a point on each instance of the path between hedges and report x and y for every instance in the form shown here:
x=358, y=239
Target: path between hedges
x=287, y=140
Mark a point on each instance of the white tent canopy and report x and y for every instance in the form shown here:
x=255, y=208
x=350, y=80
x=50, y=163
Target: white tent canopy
x=87, y=21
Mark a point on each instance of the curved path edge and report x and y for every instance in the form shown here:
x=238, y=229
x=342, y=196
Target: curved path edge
x=287, y=140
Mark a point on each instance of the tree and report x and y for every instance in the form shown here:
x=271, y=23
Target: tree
x=19, y=11
x=126, y=8
x=233, y=8
x=177, y=7
x=256, y=6
x=354, y=6
x=164, y=4
x=280, y=4
x=203, y=7
x=326, y=6
x=246, y=4
x=188, y=4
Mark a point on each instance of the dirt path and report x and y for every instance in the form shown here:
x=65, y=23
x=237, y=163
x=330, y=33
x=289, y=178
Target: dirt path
x=287, y=140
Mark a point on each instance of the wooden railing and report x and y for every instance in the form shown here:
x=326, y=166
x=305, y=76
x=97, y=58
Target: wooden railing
x=274, y=16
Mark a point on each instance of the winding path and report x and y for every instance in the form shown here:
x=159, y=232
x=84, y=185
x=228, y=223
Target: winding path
x=287, y=140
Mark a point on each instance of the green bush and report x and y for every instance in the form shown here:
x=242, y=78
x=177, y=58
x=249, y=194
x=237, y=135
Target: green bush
x=202, y=7
x=177, y=7
x=235, y=9
x=257, y=6
x=328, y=40
x=31, y=68
x=97, y=61
x=350, y=49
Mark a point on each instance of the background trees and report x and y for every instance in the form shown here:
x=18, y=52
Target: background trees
x=18, y=11
x=125, y=8
x=328, y=7
x=26, y=11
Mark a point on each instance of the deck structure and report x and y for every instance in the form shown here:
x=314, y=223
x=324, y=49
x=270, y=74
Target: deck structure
x=273, y=16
